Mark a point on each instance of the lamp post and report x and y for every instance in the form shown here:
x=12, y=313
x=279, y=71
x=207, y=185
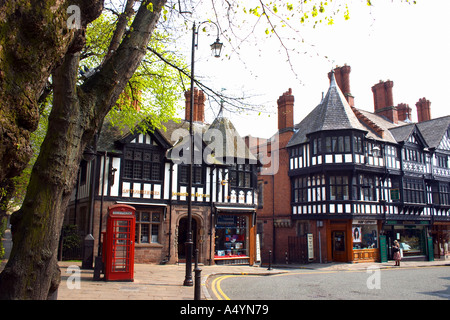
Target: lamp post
x=216, y=47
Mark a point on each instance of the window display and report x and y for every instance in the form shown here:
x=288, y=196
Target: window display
x=411, y=242
x=412, y=238
x=231, y=240
x=444, y=243
x=365, y=236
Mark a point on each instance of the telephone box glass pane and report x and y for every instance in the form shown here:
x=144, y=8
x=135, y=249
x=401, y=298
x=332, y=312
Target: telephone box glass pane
x=121, y=245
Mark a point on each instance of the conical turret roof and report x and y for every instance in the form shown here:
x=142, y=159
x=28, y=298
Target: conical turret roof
x=333, y=113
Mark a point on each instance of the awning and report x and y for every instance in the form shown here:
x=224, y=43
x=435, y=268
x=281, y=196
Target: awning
x=235, y=209
x=142, y=203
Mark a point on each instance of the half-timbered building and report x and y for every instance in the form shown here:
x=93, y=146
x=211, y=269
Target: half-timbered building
x=358, y=181
x=149, y=171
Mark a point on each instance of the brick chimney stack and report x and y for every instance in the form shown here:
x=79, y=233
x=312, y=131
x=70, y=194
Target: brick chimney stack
x=404, y=112
x=286, y=111
x=423, y=110
x=342, y=76
x=199, y=105
x=384, y=101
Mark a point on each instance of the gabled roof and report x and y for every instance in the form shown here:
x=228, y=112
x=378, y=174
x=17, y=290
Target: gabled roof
x=402, y=133
x=173, y=135
x=333, y=113
x=434, y=130
x=111, y=137
x=431, y=132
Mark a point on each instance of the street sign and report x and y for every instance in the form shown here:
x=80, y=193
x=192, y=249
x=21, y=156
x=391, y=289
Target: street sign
x=310, y=246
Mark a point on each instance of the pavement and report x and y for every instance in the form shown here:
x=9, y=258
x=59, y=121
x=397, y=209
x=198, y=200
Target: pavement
x=165, y=282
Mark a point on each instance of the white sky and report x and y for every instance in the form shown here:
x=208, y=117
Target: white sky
x=408, y=44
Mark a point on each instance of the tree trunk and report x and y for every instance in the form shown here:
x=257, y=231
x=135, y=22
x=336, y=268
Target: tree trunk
x=31, y=42
x=77, y=114
x=34, y=37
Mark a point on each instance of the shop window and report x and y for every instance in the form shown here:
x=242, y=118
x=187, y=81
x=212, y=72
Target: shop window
x=411, y=241
x=142, y=164
x=365, y=236
x=148, y=227
x=231, y=236
x=339, y=186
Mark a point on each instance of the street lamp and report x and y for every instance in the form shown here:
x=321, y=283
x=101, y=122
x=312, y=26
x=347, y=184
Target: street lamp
x=216, y=47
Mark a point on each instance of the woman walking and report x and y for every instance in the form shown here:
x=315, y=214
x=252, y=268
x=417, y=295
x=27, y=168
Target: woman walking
x=396, y=250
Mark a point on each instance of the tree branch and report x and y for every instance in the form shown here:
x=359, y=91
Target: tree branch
x=120, y=28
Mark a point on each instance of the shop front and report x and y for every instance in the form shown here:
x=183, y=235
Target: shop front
x=441, y=240
x=412, y=236
x=365, y=241
x=234, y=241
x=354, y=241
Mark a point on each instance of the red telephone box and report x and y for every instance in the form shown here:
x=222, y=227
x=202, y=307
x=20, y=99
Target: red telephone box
x=120, y=231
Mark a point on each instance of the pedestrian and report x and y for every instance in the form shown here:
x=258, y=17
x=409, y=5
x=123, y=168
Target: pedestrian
x=397, y=255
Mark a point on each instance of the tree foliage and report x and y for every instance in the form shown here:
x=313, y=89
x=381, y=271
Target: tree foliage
x=153, y=92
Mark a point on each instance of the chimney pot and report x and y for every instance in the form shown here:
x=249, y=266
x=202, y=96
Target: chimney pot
x=384, y=101
x=423, y=110
x=404, y=112
x=198, y=113
x=286, y=110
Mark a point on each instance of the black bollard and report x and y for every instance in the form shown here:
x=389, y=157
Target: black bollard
x=270, y=260
x=198, y=279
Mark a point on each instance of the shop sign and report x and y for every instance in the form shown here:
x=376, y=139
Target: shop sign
x=226, y=221
x=310, y=246
x=144, y=192
x=407, y=222
x=364, y=222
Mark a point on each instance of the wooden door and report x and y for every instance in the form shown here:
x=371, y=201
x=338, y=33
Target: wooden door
x=339, y=246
